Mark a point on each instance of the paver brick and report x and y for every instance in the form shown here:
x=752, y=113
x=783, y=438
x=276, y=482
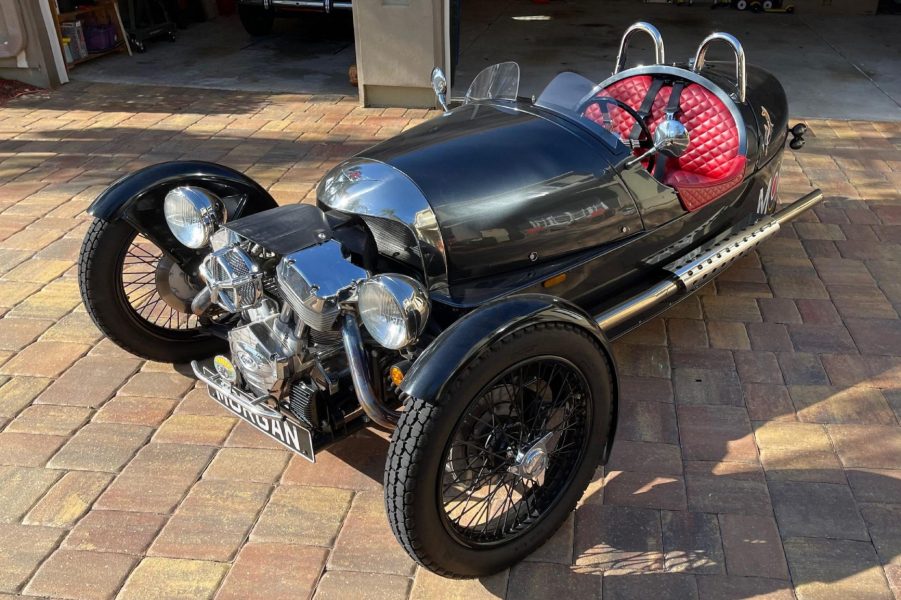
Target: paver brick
x=28, y=450
x=115, y=531
x=752, y=546
x=822, y=568
x=691, y=543
x=101, y=447
x=726, y=494
x=543, y=580
x=195, y=429
x=90, y=381
x=645, y=457
x=22, y=548
x=427, y=585
x=661, y=586
x=366, y=542
x=311, y=514
x=68, y=499
x=355, y=463
x=173, y=579
x=49, y=419
x=707, y=386
x=284, y=571
x=248, y=464
x=157, y=478
x=79, y=575
x=617, y=539
x=338, y=585
x=875, y=485
x=836, y=515
x=17, y=333
x=716, y=433
x=157, y=385
x=135, y=410
x=212, y=521
x=868, y=446
x=44, y=359
x=18, y=392
x=648, y=490
x=825, y=404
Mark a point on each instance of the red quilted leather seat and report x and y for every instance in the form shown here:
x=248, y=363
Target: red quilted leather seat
x=712, y=164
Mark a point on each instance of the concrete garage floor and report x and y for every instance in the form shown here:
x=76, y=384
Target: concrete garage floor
x=300, y=56
x=834, y=67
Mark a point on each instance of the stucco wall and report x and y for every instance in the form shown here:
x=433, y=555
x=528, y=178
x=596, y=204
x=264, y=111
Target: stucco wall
x=398, y=42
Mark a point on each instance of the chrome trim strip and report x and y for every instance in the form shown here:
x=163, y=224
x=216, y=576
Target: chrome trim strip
x=359, y=373
x=653, y=32
x=690, y=76
x=740, y=70
x=691, y=272
x=369, y=187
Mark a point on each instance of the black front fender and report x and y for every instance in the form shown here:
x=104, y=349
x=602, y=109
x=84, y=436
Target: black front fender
x=137, y=198
x=470, y=335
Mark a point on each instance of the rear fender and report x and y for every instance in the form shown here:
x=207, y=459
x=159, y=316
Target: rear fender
x=138, y=199
x=463, y=341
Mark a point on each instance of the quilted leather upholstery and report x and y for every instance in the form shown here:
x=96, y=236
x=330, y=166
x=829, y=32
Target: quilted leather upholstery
x=712, y=164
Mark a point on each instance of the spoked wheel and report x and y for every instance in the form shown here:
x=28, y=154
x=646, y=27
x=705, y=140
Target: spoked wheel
x=140, y=298
x=482, y=477
x=515, y=450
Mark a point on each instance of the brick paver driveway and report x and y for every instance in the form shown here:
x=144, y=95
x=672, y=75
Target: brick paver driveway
x=759, y=447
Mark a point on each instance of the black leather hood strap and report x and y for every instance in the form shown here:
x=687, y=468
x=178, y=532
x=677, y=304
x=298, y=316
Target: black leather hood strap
x=646, y=105
x=672, y=109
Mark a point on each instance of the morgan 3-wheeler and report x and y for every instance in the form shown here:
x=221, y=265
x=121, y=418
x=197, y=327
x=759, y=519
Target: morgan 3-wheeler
x=458, y=284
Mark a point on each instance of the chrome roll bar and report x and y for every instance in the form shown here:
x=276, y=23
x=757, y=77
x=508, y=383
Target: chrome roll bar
x=740, y=73
x=652, y=32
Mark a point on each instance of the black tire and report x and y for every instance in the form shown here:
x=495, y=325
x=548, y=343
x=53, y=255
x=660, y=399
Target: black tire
x=256, y=19
x=100, y=279
x=417, y=456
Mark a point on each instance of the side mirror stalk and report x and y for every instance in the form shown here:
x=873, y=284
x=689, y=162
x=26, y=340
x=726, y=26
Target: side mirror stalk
x=439, y=85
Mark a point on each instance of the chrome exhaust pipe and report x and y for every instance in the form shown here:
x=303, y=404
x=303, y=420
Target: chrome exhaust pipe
x=360, y=373
x=699, y=267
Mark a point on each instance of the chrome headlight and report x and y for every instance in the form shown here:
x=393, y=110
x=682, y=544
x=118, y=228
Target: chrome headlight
x=192, y=214
x=394, y=309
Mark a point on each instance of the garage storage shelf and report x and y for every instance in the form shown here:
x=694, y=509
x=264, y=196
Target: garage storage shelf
x=105, y=9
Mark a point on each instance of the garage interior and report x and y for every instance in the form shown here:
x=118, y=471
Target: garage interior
x=836, y=66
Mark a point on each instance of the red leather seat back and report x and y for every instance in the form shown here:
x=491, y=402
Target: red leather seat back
x=712, y=165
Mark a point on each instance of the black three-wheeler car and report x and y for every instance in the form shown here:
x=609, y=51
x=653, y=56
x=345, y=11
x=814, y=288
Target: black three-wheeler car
x=458, y=284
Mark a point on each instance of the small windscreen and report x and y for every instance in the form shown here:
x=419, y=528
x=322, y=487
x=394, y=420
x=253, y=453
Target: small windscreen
x=497, y=82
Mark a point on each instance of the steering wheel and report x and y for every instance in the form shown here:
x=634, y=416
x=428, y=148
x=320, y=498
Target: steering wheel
x=645, y=139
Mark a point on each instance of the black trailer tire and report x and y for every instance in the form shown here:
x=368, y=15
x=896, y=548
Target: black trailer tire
x=417, y=456
x=256, y=19
x=100, y=280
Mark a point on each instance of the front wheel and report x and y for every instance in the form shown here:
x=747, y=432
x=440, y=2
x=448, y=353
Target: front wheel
x=484, y=475
x=139, y=298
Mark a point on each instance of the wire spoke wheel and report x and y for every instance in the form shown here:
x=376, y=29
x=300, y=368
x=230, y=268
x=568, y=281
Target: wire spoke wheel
x=514, y=451
x=151, y=284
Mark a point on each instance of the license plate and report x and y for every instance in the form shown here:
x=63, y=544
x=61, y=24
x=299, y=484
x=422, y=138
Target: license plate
x=280, y=429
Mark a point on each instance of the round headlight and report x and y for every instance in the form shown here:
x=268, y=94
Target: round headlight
x=192, y=214
x=394, y=309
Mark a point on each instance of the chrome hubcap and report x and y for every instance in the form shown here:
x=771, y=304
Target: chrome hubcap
x=531, y=462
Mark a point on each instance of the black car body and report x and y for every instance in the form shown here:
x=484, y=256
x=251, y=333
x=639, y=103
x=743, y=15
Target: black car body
x=491, y=255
